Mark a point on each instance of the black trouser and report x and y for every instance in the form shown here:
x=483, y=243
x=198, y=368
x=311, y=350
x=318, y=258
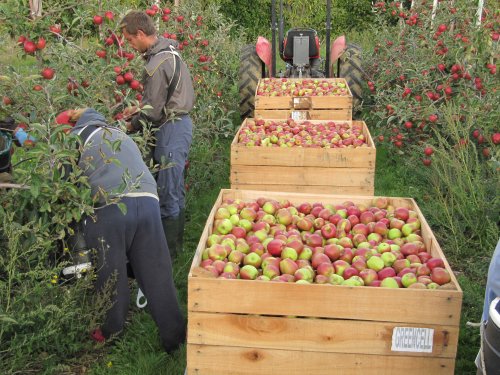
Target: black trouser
x=136, y=236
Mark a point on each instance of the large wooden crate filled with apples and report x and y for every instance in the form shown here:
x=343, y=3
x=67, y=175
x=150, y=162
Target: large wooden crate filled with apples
x=306, y=98
x=316, y=156
x=289, y=283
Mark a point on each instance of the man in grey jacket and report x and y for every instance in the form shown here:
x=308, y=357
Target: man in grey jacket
x=168, y=89
x=116, y=173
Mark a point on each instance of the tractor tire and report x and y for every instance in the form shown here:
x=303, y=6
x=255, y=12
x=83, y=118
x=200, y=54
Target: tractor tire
x=250, y=71
x=350, y=68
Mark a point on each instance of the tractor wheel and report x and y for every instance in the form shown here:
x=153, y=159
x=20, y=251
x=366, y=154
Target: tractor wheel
x=251, y=70
x=351, y=69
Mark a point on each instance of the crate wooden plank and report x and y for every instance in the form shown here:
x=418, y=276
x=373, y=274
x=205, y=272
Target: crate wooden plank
x=227, y=360
x=320, y=335
x=301, y=157
x=313, y=114
x=305, y=176
x=361, y=157
x=315, y=189
x=328, y=301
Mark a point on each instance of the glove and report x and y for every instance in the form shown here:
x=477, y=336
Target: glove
x=23, y=138
x=76, y=270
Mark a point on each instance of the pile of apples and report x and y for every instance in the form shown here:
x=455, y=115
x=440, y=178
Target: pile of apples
x=346, y=244
x=290, y=133
x=301, y=87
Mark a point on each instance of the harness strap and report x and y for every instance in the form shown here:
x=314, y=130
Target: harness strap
x=174, y=82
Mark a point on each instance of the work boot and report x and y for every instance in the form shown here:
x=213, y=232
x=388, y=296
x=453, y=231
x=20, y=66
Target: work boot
x=171, y=230
x=180, y=231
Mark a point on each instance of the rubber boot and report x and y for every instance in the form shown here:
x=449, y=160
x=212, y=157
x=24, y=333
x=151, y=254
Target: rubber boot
x=171, y=230
x=180, y=231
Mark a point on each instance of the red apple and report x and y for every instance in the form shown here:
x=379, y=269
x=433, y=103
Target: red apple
x=435, y=262
x=48, y=73
x=248, y=272
x=288, y=266
x=440, y=275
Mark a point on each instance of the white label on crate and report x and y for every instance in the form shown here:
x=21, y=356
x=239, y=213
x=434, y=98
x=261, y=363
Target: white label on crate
x=298, y=115
x=412, y=339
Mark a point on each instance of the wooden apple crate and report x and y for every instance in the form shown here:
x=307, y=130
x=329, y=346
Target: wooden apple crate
x=333, y=107
x=305, y=169
x=241, y=327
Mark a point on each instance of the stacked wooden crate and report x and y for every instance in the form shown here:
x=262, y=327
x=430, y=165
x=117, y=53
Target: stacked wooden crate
x=327, y=169
x=303, y=106
x=242, y=327
x=305, y=169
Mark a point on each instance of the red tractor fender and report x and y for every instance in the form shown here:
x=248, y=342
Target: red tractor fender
x=337, y=50
x=264, y=51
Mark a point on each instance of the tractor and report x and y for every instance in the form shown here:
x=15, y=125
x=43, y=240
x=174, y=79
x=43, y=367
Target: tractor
x=300, y=50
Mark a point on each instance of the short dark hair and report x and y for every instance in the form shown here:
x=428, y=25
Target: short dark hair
x=135, y=21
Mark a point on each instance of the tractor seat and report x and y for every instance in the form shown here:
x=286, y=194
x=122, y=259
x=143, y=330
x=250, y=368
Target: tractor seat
x=313, y=43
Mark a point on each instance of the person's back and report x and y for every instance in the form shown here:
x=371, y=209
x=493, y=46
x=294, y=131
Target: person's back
x=111, y=158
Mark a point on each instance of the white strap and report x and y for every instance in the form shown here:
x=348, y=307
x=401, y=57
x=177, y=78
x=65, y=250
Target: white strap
x=141, y=295
x=91, y=134
x=172, y=51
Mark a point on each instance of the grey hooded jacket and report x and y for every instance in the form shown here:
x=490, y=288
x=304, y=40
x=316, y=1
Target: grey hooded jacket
x=158, y=73
x=112, y=161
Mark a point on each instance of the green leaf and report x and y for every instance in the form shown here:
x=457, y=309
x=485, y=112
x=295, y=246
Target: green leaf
x=116, y=162
x=122, y=207
x=116, y=145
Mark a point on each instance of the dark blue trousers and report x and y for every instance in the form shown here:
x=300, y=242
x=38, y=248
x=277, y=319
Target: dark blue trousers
x=173, y=140
x=136, y=237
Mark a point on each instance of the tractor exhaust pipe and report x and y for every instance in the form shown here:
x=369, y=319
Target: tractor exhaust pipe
x=328, y=29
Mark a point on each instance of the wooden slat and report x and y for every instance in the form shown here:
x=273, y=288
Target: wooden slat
x=363, y=157
x=328, y=301
x=226, y=360
x=318, y=335
x=314, y=189
x=306, y=176
x=313, y=114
